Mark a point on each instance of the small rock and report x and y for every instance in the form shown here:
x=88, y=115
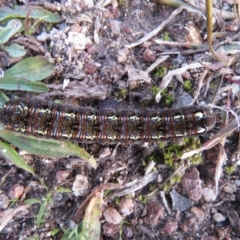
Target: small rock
x=218, y=217
x=149, y=56
x=237, y=183
x=184, y=227
x=90, y=68
x=122, y=55
x=186, y=75
x=115, y=27
x=208, y=194
x=199, y=213
x=78, y=40
x=128, y=231
x=105, y=152
x=137, y=77
x=126, y=206
x=182, y=98
x=43, y=36
x=192, y=184
x=112, y=216
x=16, y=191
x=61, y=176
x=4, y=201
x=154, y=212
x=230, y=188
x=75, y=28
x=234, y=221
x=160, y=178
x=179, y=203
x=237, y=68
x=170, y=227
x=211, y=238
x=80, y=185
x=110, y=229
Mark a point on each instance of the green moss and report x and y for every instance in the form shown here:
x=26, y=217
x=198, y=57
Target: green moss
x=163, y=92
x=167, y=187
x=196, y=159
x=152, y=187
x=142, y=199
x=122, y=94
x=169, y=99
x=117, y=201
x=155, y=157
x=176, y=179
x=154, y=90
x=187, y=85
x=168, y=159
x=122, y=3
x=144, y=164
x=166, y=36
x=173, y=151
x=230, y=169
x=161, y=145
x=106, y=192
x=55, y=231
x=160, y=72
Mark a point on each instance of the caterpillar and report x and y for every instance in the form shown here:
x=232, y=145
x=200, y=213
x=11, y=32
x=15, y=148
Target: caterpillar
x=46, y=119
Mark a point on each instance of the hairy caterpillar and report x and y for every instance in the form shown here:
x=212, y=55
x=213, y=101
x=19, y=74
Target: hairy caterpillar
x=46, y=119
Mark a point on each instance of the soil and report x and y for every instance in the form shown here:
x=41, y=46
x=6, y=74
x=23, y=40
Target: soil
x=97, y=62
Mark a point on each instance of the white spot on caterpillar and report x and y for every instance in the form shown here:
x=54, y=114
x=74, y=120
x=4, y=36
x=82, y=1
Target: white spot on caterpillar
x=199, y=115
x=201, y=130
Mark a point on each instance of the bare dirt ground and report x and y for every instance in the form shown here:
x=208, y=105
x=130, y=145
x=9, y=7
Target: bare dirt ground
x=98, y=56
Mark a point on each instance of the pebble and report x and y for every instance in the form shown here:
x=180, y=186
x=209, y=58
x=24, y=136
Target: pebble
x=105, y=152
x=160, y=178
x=115, y=26
x=237, y=183
x=149, y=56
x=199, y=214
x=90, y=68
x=128, y=231
x=16, y=191
x=180, y=203
x=170, y=227
x=112, y=216
x=80, y=185
x=208, y=194
x=110, y=229
x=126, y=206
x=230, y=188
x=218, y=217
x=154, y=212
x=4, y=201
x=61, y=176
x=192, y=184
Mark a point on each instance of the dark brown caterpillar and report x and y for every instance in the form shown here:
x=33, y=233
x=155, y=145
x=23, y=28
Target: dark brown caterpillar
x=41, y=118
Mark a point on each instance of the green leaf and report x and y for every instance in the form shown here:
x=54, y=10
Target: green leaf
x=32, y=201
x=91, y=223
x=9, y=153
x=42, y=211
x=80, y=152
x=15, y=83
x=23, y=11
x=3, y=97
x=32, y=68
x=63, y=190
x=12, y=28
x=46, y=147
x=15, y=50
